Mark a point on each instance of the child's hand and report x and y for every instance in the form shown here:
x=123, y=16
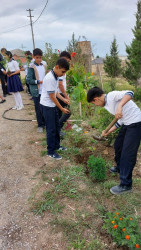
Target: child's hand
x=67, y=101
x=40, y=82
x=104, y=134
x=66, y=111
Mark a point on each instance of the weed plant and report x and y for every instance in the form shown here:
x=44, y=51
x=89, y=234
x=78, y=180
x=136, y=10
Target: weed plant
x=97, y=168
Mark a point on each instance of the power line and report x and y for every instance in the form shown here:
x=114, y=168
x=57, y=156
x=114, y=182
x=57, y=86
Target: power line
x=41, y=12
x=19, y=27
x=12, y=29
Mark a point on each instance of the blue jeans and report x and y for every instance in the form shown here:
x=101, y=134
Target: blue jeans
x=51, y=117
x=126, y=148
x=39, y=116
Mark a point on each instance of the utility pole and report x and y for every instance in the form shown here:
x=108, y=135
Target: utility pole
x=31, y=27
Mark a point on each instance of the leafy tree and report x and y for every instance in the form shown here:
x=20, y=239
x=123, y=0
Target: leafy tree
x=112, y=63
x=132, y=71
x=50, y=56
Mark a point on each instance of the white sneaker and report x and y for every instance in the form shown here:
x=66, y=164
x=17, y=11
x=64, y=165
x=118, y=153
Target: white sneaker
x=15, y=107
x=20, y=107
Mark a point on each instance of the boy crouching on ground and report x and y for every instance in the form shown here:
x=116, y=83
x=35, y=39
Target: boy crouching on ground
x=126, y=145
x=49, y=104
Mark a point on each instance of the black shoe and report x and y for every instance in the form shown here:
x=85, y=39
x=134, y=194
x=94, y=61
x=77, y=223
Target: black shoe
x=120, y=189
x=55, y=156
x=114, y=170
x=4, y=95
x=9, y=94
x=3, y=101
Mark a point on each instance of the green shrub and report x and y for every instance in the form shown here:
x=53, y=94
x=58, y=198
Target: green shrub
x=137, y=94
x=124, y=230
x=97, y=168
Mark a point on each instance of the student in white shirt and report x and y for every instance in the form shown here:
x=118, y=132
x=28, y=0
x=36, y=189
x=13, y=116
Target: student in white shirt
x=126, y=145
x=14, y=84
x=35, y=76
x=62, y=88
x=49, y=104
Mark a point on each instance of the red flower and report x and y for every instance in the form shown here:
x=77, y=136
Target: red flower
x=137, y=246
x=115, y=226
x=127, y=237
x=73, y=54
x=123, y=229
x=121, y=218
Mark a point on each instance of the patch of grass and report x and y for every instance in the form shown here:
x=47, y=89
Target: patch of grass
x=101, y=209
x=66, y=181
x=72, y=151
x=34, y=191
x=70, y=228
x=137, y=181
x=80, y=243
x=108, y=184
x=42, y=139
x=44, y=174
x=77, y=139
x=43, y=152
x=44, y=143
x=47, y=203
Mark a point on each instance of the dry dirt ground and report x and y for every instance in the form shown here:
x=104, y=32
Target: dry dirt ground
x=19, y=228
x=20, y=159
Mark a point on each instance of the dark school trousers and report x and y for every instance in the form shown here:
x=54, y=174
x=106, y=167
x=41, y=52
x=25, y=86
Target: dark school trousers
x=126, y=147
x=39, y=116
x=2, y=78
x=52, y=128
x=62, y=118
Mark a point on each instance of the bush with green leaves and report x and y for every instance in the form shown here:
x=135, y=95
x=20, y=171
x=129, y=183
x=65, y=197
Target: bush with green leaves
x=124, y=230
x=97, y=168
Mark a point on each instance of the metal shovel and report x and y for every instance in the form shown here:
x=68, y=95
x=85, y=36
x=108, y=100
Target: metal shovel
x=102, y=138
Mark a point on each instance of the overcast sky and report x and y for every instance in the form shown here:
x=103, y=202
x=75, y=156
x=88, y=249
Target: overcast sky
x=98, y=20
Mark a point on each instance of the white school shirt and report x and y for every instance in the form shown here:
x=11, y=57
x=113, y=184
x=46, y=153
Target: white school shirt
x=43, y=62
x=41, y=73
x=63, y=79
x=50, y=85
x=131, y=112
x=12, y=66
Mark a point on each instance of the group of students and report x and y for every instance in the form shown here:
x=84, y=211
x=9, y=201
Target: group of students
x=50, y=98
x=9, y=76
x=51, y=103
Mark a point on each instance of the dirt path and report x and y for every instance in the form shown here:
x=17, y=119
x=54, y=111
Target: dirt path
x=19, y=160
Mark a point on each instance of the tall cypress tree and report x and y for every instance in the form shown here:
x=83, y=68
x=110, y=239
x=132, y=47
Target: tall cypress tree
x=132, y=71
x=112, y=63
